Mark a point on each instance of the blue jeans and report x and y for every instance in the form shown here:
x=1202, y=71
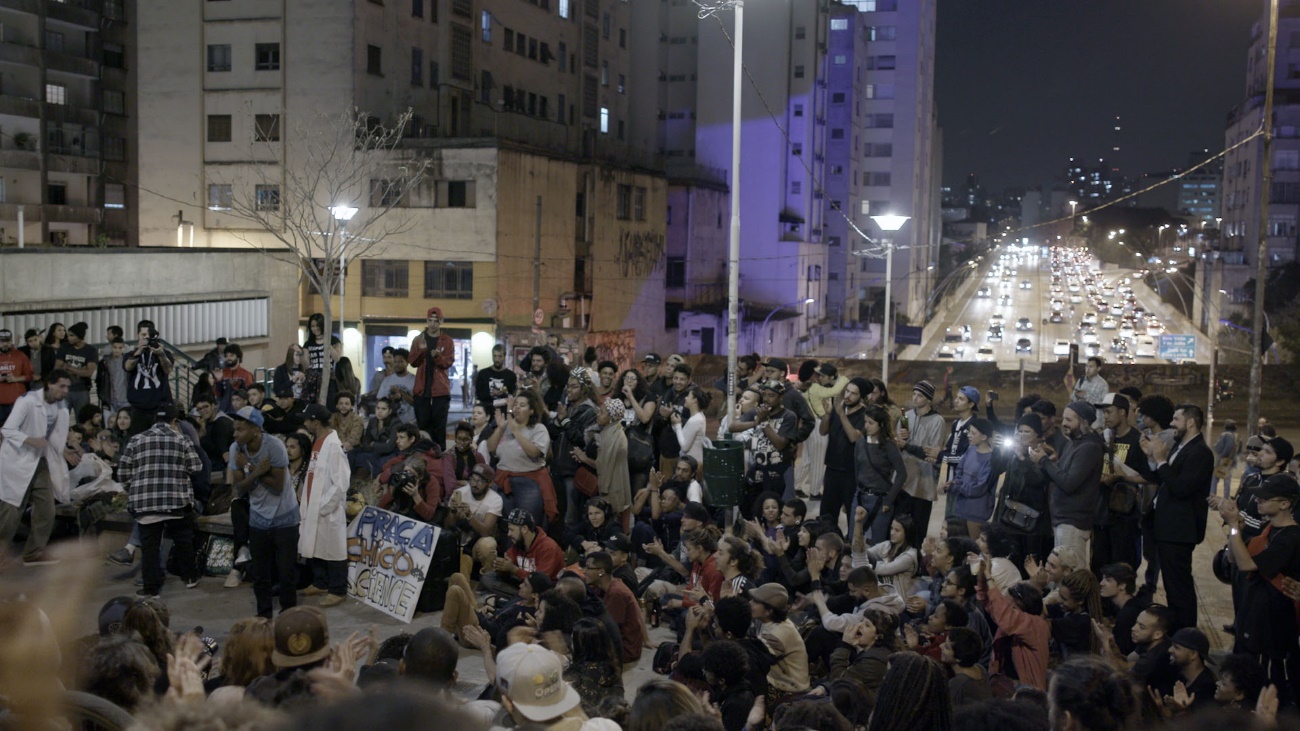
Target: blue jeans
x=524, y=493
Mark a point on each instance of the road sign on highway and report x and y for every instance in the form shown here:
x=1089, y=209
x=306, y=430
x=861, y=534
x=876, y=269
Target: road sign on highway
x=907, y=334
x=1177, y=348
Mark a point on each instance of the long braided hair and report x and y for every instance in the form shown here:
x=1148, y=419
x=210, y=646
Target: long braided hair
x=1086, y=590
x=914, y=695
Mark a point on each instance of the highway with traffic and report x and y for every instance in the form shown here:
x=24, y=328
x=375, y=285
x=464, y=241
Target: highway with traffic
x=1034, y=302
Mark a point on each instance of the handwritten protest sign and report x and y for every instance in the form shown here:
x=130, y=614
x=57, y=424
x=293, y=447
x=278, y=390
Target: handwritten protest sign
x=388, y=559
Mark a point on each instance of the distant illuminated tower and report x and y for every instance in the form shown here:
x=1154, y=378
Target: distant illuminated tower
x=1114, y=152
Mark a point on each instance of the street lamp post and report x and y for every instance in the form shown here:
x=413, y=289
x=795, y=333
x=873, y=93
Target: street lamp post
x=805, y=301
x=342, y=214
x=890, y=224
x=1073, y=205
x=1261, y=253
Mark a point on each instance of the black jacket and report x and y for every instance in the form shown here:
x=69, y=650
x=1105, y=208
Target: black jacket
x=1180, y=513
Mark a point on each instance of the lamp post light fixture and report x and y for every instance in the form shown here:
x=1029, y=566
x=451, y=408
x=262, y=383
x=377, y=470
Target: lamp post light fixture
x=342, y=214
x=889, y=224
x=805, y=301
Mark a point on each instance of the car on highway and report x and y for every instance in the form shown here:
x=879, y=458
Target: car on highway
x=1146, y=347
x=984, y=354
x=945, y=353
x=1026, y=284
x=955, y=335
x=998, y=319
x=1091, y=349
x=1057, y=304
x=982, y=292
x=1024, y=345
x=995, y=334
x=1090, y=318
x=1024, y=323
x=1004, y=300
x=1061, y=348
x=1056, y=316
x=1074, y=286
x=1076, y=298
x=1154, y=329
x=1109, y=324
x=1126, y=331
x=1124, y=358
x=1118, y=345
x=1087, y=335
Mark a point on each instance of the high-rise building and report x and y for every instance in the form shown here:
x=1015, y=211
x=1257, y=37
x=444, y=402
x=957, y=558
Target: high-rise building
x=1200, y=191
x=536, y=208
x=64, y=173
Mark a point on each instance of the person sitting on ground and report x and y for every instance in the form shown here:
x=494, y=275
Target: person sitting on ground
x=598, y=525
x=475, y=511
x=595, y=671
x=378, y=440
x=726, y=665
x=868, y=643
x=927, y=637
x=961, y=654
x=430, y=656
x=530, y=550
x=896, y=560
x=461, y=611
x=789, y=675
x=463, y=455
x=245, y=657
x=1021, y=643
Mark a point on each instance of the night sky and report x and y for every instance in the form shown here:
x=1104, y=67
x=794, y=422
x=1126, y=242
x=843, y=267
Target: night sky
x=1022, y=85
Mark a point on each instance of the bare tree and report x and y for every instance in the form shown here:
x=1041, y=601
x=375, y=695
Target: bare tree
x=328, y=194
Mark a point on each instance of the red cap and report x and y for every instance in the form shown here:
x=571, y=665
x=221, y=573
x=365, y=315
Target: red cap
x=434, y=311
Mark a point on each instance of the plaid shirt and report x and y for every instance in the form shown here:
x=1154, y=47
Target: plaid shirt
x=155, y=468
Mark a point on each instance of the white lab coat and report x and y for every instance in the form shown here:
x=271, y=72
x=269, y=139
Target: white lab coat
x=18, y=461
x=323, y=531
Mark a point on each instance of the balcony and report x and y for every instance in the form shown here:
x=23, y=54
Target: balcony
x=70, y=161
x=71, y=64
x=72, y=214
x=84, y=13
x=20, y=159
x=19, y=53
x=31, y=7
x=68, y=114
x=20, y=106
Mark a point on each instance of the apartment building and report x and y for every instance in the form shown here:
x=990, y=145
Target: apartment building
x=65, y=83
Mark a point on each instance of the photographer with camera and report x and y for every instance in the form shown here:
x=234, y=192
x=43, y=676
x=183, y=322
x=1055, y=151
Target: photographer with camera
x=438, y=474
x=406, y=488
x=147, y=369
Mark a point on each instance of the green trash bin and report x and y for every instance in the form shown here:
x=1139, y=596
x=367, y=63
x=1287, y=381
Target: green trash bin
x=724, y=471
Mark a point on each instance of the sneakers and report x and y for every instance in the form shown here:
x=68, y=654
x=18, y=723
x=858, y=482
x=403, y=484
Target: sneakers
x=122, y=557
x=41, y=558
x=333, y=600
x=146, y=594
x=233, y=579
x=314, y=590
x=191, y=583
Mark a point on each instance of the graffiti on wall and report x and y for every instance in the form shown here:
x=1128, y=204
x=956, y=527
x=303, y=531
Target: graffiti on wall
x=616, y=345
x=639, y=252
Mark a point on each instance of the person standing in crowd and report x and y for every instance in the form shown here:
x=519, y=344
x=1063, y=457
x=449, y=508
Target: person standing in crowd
x=15, y=374
x=1092, y=388
x=111, y=377
x=322, y=539
x=920, y=436
x=773, y=445
x=824, y=383
x=1022, y=505
x=841, y=423
x=41, y=357
x=149, y=367
x=1154, y=412
x=1225, y=454
x=32, y=469
x=232, y=377
x=79, y=358
x=313, y=360
x=966, y=404
x=775, y=370
x=1075, y=477
x=156, y=469
x=1178, y=515
x=432, y=353
x=495, y=385
x=258, y=471
x=1117, y=530
x=399, y=388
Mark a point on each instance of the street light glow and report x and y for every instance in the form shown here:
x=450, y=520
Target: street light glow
x=890, y=222
x=343, y=213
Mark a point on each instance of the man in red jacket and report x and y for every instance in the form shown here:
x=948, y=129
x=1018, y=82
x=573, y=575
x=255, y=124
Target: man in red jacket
x=530, y=550
x=432, y=353
x=15, y=374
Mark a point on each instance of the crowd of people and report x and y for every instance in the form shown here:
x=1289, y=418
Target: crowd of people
x=1057, y=591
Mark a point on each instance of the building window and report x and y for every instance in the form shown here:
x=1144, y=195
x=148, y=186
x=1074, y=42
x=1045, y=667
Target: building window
x=220, y=196
x=114, y=195
x=374, y=60
x=837, y=134
x=56, y=194
x=219, y=126
x=676, y=274
x=433, y=74
x=385, y=193
x=882, y=179
x=882, y=63
x=833, y=241
x=879, y=149
x=880, y=91
x=384, y=278
x=417, y=8
x=562, y=8
x=796, y=149
x=796, y=187
x=841, y=59
x=485, y=24
x=54, y=41
x=266, y=128
x=638, y=202
x=879, y=121
x=622, y=84
x=532, y=48
x=56, y=93
x=882, y=33
x=800, y=33
x=623, y=202
x=798, y=110
x=267, y=197
x=219, y=57
x=114, y=148
x=672, y=315
x=622, y=37
x=417, y=67
x=452, y=280
x=604, y=26
x=114, y=56
x=798, y=72
x=604, y=120
x=462, y=62
x=839, y=23
x=456, y=194
x=266, y=57
x=837, y=97
x=604, y=73
x=114, y=102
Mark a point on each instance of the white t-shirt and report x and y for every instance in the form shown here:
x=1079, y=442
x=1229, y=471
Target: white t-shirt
x=491, y=504
x=511, y=454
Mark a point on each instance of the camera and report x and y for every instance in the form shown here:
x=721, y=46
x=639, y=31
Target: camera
x=400, y=480
x=993, y=395
x=154, y=341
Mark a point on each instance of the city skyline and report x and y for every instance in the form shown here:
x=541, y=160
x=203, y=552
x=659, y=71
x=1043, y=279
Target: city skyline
x=1013, y=112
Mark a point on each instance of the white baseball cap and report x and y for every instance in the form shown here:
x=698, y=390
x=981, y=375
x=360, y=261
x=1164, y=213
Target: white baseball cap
x=532, y=677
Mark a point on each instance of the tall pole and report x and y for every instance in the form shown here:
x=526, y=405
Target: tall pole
x=537, y=258
x=1261, y=254
x=733, y=244
x=884, y=324
x=1214, y=360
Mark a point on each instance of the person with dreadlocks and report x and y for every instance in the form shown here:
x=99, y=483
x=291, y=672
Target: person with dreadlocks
x=575, y=416
x=914, y=695
x=1071, y=617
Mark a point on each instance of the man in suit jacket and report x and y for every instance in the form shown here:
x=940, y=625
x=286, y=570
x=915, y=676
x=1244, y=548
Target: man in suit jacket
x=1179, y=514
